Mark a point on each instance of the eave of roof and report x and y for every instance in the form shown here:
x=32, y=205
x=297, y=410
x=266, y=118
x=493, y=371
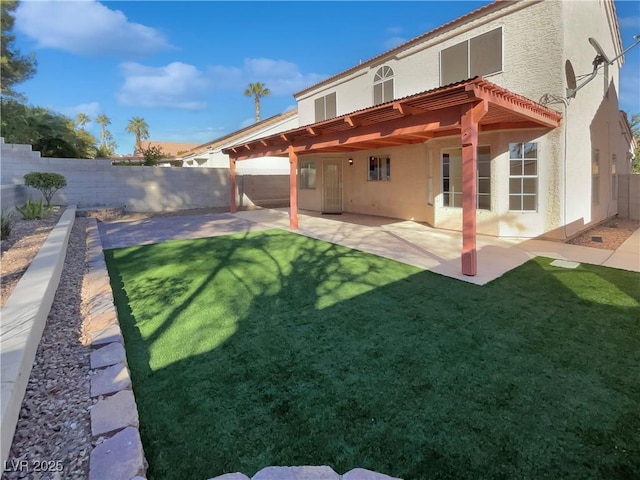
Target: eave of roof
x=496, y=5
x=239, y=133
x=412, y=119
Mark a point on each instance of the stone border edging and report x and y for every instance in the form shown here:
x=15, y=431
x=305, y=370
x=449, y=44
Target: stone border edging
x=23, y=320
x=307, y=473
x=118, y=454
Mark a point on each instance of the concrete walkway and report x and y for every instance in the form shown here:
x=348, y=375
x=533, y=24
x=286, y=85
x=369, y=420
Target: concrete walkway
x=405, y=241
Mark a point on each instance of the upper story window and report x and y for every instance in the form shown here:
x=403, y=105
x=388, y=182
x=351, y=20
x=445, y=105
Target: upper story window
x=383, y=85
x=325, y=107
x=478, y=56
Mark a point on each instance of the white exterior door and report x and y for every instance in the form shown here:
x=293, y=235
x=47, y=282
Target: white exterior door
x=332, y=186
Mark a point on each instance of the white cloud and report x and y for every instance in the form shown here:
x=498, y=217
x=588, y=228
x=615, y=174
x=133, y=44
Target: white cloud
x=248, y=122
x=394, y=42
x=92, y=109
x=629, y=22
x=86, y=27
x=176, y=85
x=395, y=30
x=279, y=76
x=180, y=85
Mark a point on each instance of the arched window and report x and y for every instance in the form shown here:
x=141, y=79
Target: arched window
x=383, y=85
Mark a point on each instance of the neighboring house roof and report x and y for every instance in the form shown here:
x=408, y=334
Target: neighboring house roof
x=172, y=149
x=408, y=120
x=231, y=137
x=496, y=5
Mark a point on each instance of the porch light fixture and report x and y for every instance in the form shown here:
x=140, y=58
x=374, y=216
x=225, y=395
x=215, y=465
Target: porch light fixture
x=350, y=161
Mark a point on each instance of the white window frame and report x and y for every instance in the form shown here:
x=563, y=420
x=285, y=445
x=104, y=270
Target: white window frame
x=522, y=176
x=468, y=43
x=595, y=176
x=381, y=173
x=614, y=176
x=324, y=107
x=383, y=75
x=478, y=178
x=306, y=182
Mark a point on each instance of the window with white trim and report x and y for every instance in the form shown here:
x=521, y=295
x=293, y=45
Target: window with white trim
x=325, y=107
x=595, y=176
x=614, y=177
x=307, y=175
x=379, y=169
x=452, y=178
x=523, y=177
x=478, y=56
x=383, y=85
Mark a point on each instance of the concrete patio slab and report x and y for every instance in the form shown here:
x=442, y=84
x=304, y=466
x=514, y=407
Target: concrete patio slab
x=627, y=257
x=408, y=242
x=155, y=230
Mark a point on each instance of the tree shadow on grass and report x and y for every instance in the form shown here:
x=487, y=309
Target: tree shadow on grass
x=334, y=357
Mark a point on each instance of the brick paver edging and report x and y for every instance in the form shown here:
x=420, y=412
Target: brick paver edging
x=118, y=454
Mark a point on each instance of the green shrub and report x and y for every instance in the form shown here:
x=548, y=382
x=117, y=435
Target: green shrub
x=48, y=183
x=33, y=210
x=6, y=224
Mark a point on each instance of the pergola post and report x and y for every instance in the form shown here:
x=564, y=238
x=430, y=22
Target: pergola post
x=471, y=115
x=232, y=169
x=293, y=189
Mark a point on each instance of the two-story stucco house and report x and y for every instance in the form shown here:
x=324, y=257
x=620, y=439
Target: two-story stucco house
x=469, y=127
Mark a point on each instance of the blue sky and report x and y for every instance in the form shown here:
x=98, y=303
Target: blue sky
x=183, y=66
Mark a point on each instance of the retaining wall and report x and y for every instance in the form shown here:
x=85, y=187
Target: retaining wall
x=92, y=183
x=629, y=196
x=24, y=316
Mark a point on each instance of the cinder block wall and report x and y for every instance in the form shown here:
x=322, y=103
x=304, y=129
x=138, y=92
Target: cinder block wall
x=12, y=195
x=93, y=183
x=629, y=196
x=264, y=190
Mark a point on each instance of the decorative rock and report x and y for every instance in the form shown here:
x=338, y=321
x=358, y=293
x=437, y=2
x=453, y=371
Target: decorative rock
x=109, y=355
x=296, y=473
x=118, y=458
x=114, y=413
x=231, y=476
x=108, y=335
x=110, y=380
x=362, y=474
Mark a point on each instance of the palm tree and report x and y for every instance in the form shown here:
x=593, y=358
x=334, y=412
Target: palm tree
x=103, y=121
x=82, y=119
x=140, y=129
x=257, y=91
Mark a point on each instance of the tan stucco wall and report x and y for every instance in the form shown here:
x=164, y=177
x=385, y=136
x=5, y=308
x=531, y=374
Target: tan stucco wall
x=592, y=117
x=418, y=68
x=405, y=195
x=538, y=38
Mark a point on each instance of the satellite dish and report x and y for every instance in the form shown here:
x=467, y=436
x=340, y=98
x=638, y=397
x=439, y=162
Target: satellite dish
x=571, y=79
x=594, y=43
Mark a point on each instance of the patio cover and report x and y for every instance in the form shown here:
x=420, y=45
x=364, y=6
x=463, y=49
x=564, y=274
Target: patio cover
x=463, y=108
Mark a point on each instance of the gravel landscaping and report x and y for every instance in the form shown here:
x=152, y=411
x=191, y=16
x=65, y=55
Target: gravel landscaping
x=53, y=433
x=609, y=235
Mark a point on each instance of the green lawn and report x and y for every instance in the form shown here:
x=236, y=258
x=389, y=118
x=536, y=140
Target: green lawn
x=271, y=348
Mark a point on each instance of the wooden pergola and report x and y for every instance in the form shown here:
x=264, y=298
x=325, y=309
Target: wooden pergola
x=464, y=108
